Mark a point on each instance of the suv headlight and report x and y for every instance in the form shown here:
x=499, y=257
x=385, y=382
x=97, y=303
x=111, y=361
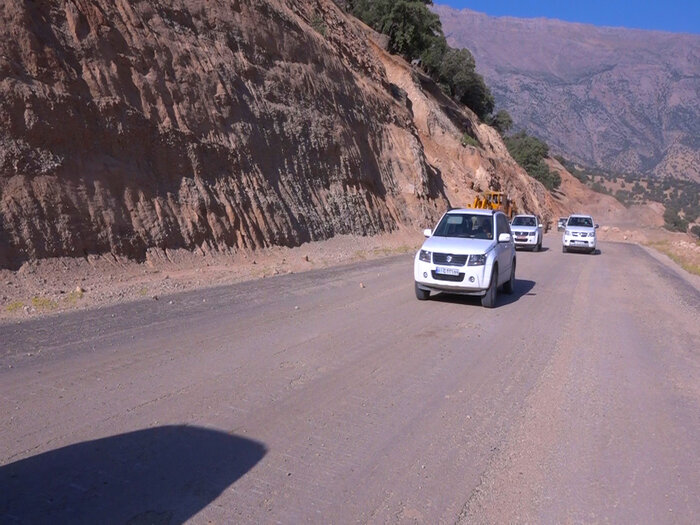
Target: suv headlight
x=477, y=260
x=424, y=255
x=591, y=234
x=567, y=232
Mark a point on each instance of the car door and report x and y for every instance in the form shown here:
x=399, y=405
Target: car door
x=503, y=249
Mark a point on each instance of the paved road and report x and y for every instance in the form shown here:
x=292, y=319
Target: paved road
x=310, y=398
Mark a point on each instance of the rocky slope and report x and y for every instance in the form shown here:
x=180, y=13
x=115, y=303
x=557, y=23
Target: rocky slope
x=619, y=99
x=218, y=126
x=197, y=124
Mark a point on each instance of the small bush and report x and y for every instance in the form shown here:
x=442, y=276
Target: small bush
x=468, y=140
x=43, y=303
x=14, y=306
x=673, y=221
x=319, y=25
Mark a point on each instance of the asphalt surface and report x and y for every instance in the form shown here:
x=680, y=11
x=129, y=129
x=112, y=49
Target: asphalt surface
x=335, y=396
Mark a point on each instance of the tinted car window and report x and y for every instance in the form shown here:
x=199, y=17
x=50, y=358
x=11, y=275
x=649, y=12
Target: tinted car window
x=524, y=221
x=465, y=225
x=580, y=221
x=502, y=223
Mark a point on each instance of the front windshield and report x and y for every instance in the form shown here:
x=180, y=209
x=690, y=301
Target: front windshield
x=465, y=225
x=585, y=222
x=524, y=221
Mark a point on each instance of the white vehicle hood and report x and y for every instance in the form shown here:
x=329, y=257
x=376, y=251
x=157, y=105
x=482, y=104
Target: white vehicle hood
x=523, y=228
x=580, y=229
x=458, y=245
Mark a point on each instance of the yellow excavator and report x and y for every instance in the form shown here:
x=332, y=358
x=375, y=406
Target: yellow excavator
x=494, y=200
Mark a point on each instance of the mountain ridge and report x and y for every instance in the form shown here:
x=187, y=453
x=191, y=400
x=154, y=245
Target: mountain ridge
x=623, y=99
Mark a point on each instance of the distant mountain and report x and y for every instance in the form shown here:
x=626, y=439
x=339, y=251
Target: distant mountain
x=620, y=99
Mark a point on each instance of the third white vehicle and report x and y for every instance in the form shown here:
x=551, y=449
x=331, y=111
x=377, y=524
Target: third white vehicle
x=580, y=234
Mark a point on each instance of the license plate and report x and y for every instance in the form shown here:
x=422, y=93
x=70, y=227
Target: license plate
x=521, y=238
x=447, y=271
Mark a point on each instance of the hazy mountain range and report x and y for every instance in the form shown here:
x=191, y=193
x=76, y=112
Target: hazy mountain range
x=620, y=99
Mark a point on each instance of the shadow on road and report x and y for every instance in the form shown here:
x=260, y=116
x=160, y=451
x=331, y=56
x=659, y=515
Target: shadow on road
x=542, y=249
x=522, y=287
x=159, y=475
x=582, y=252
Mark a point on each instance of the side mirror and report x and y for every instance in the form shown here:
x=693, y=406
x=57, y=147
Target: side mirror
x=540, y=225
x=504, y=237
x=597, y=226
x=427, y=232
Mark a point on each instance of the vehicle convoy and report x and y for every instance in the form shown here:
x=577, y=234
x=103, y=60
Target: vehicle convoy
x=494, y=200
x=471, y=252
x=579, y=234
x=527, y=232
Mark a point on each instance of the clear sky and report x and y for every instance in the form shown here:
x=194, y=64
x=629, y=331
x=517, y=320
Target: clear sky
x=678, y=16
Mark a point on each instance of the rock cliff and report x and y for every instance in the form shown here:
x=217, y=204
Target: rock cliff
x=221, y=125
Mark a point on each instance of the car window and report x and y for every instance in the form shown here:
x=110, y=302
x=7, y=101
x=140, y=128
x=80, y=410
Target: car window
x=586, y=222
x=466, y=225
x=524, y=221
x=502, y=223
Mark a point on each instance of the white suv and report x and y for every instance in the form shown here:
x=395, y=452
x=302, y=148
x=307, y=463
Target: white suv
x=579, y=234
x=471, y=252
x=527, y=232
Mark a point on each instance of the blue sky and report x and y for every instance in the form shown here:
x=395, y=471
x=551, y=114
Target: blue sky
x=679, y=16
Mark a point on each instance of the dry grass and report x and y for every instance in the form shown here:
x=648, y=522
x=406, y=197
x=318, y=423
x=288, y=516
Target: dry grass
x=687, y=259
x=73, y=297
x=44, y=303
x=14, y=306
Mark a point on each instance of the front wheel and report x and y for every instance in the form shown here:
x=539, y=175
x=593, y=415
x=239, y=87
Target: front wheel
x=489, y=299
x=422, y=295
x=563, y=249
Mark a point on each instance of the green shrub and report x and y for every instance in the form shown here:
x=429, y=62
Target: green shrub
x=529, y=152
x=468, y=140
x=673, y=221
x=319, y=25
x=502, y=122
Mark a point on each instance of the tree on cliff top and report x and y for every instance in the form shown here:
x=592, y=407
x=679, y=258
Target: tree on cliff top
x=416, y=32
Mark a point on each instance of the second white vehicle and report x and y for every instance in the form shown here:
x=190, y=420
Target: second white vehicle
x=470, y=252
x=580, y=234
x=527, y=232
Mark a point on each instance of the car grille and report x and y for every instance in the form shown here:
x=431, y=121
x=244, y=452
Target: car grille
x=453, y=278
x=454, y=260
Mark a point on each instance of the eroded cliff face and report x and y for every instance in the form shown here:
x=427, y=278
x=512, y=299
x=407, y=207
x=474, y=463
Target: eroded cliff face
x=466, y=170
x=198, y=124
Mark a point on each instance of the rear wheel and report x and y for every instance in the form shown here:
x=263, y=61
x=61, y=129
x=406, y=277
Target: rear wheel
x=509, y=287
x=489, y=299
x=422, y=295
